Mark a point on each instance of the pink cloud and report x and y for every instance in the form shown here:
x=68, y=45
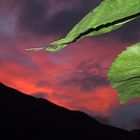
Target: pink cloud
x=45, y=72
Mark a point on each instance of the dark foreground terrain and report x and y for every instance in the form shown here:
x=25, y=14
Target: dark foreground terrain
x=24, y=117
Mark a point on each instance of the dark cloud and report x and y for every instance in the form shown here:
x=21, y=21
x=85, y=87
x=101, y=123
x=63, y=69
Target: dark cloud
x=33, y=16
x=40, y=95
x=63, y=21
x=86, y=82
x=126, y=116
x=86, y=77
x=129, y=32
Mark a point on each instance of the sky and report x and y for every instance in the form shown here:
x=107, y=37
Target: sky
x=75, y=77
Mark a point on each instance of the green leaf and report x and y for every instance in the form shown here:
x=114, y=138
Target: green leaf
x=125, y=73
x=108, y=16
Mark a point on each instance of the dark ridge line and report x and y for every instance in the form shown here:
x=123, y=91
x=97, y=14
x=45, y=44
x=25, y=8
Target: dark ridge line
x=104, y=26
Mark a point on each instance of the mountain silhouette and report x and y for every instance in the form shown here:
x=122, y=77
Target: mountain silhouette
x=23, y=117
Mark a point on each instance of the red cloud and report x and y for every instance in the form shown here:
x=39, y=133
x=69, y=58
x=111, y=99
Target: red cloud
x=42, y=72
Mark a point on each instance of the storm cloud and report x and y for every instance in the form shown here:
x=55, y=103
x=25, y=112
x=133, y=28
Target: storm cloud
x=36, y=16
